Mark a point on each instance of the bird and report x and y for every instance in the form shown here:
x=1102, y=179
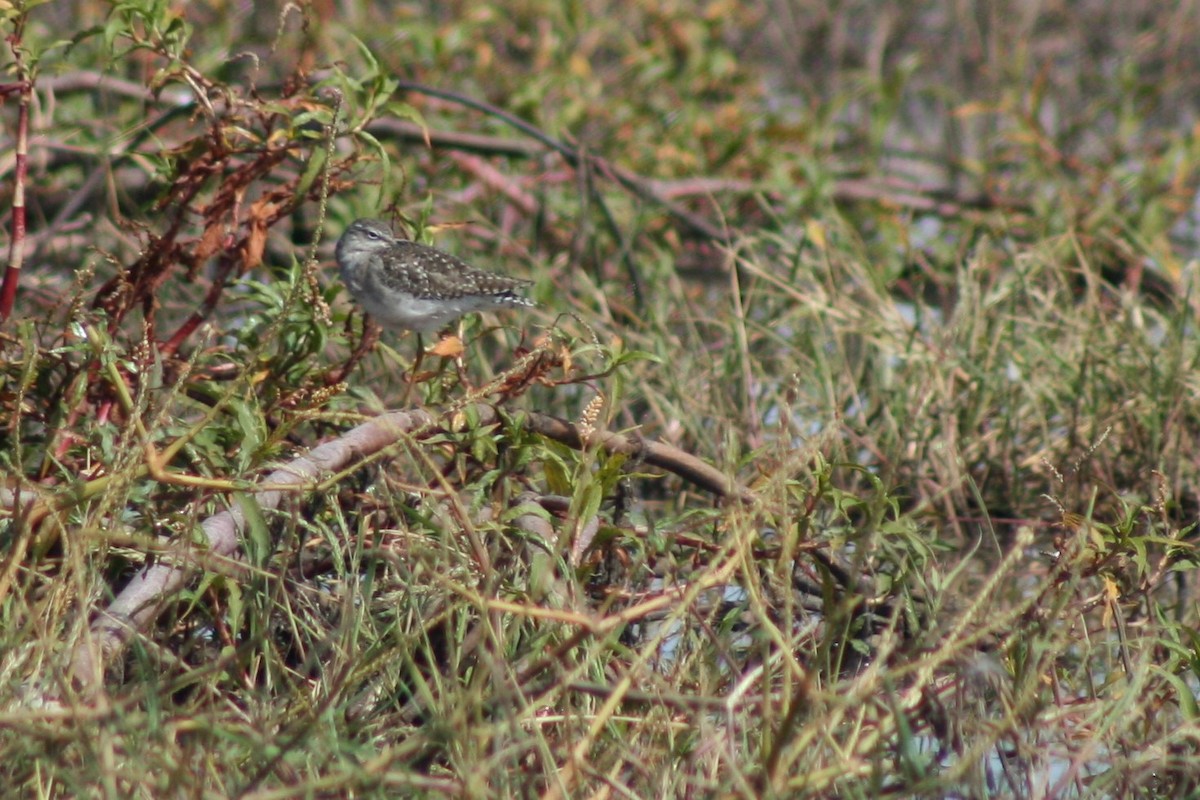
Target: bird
x=409, y=286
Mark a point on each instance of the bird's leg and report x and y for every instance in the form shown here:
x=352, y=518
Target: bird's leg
x=460, y=366
x=412, y=372
x=449, y=347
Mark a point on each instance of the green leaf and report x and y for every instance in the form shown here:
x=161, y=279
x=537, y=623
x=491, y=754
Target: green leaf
x=256, y=537
x=316, y=161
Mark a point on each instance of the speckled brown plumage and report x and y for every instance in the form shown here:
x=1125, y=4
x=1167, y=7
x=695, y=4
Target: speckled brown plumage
x=408, y=285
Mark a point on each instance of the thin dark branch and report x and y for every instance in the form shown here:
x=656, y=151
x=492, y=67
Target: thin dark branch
x=630, y=181
x=467, y=142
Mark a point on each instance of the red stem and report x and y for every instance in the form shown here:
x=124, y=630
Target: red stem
x=16, y=252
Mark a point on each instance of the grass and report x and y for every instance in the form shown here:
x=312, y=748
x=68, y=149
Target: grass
x=847, y=454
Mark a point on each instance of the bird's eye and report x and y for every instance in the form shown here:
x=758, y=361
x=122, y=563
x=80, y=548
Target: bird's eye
x=373, y=235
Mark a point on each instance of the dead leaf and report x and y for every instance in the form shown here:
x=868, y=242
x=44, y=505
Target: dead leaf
x=448, y=347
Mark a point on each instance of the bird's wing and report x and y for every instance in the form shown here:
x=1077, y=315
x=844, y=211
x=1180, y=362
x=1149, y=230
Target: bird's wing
x=428, y=272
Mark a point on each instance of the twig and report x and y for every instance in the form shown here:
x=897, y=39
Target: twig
x=466, y=142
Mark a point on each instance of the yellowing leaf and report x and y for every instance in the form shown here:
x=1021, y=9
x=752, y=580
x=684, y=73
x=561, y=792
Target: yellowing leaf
x=449, y=347
x=815, y=232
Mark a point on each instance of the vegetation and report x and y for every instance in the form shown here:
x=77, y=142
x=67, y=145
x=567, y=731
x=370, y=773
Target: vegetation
x=849, y=451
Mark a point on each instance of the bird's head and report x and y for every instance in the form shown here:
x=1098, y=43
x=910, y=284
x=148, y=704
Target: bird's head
x=363, y=237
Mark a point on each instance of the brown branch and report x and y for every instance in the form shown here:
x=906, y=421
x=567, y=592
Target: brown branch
x=138, y=605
